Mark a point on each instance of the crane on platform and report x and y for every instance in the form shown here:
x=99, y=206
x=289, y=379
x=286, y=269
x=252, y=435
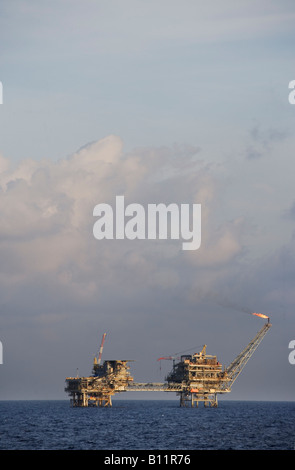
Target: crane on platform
x=168, y=358
x=201, y=377
x=98, y=360
x=237, y=365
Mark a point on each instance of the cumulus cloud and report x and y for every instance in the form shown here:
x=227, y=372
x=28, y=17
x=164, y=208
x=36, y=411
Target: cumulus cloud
x=262, y=141
x=46, y=211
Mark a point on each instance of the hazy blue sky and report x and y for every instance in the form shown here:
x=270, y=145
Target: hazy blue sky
x=162, y=101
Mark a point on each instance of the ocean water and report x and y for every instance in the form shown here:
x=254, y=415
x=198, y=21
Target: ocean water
x=147, y=425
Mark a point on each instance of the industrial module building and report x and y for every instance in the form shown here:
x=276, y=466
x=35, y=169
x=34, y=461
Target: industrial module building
x=194, y=378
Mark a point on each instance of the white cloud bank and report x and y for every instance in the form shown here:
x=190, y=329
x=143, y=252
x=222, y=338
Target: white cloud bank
x=46, y=212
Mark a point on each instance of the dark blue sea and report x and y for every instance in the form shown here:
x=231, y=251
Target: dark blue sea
x=147, y=425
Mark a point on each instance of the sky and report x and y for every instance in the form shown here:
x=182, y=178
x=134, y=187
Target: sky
x=162, y=102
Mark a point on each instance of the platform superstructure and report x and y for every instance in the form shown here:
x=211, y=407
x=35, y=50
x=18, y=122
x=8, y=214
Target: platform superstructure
x=194, y=378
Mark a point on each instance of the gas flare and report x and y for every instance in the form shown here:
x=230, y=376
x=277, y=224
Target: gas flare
x=261, y=315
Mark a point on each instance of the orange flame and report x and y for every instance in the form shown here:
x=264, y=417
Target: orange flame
x=261, y=315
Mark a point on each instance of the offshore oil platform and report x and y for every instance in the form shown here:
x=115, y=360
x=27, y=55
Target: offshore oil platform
x=195, y=378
